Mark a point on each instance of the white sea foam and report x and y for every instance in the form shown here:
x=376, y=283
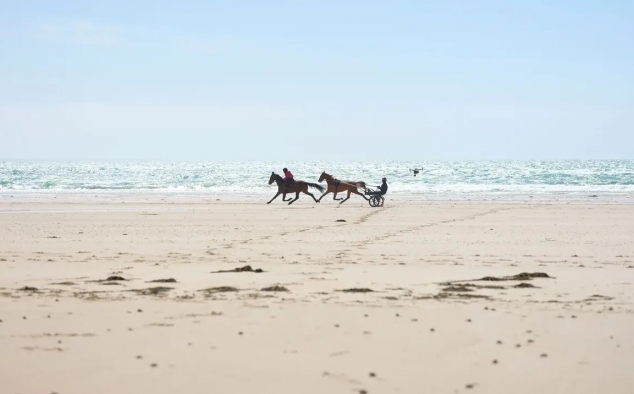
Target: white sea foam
x=439, y=180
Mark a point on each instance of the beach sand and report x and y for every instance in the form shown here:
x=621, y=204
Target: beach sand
x=351, y=299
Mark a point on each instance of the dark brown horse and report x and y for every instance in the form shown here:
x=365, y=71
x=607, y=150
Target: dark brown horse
x=295, y=187
x=336, y=186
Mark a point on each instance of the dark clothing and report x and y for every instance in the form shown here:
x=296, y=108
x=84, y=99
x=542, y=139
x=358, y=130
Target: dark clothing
x=381, y=191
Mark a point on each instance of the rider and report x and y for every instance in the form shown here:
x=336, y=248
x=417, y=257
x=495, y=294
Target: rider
x=288, y=178
x=382, y=190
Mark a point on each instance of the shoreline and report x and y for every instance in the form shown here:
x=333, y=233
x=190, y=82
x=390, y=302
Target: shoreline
x=202, y=196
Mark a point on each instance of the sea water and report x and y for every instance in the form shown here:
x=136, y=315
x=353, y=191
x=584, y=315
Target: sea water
x=438, y=179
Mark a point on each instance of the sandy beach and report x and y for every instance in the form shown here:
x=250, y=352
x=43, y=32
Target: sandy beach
x=167, y=295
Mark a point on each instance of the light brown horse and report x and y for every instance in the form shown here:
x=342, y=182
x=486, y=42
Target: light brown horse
x=336, y=186
x=296, y=187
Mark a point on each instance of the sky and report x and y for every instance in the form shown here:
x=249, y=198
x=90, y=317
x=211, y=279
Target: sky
x=316, y=80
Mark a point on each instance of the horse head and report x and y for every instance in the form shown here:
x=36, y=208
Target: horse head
x=324, y=176
x=273, y=178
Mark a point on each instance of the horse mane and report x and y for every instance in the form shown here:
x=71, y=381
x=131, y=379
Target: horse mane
x=276, y=178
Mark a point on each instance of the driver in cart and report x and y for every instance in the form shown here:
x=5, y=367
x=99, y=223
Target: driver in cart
x=382, y=189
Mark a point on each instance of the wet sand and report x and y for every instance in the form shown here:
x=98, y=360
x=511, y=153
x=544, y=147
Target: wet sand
x=197, y=295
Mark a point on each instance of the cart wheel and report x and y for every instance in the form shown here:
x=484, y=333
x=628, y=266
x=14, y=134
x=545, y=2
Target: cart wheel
x=382, y=201
x=374, y=201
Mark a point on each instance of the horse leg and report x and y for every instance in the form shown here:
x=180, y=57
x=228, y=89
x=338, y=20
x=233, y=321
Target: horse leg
x=322, y=196
x=339, y=199
x=345, y=199
x=296, y=198
x=357, y=192
x=289, y=191
x=310, y=194
x=275, y=196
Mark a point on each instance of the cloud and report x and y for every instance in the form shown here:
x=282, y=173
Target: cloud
x=83, y=33
x=88, y=33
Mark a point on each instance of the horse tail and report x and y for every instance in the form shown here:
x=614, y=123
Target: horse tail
x=316, y=186
x=361, y=185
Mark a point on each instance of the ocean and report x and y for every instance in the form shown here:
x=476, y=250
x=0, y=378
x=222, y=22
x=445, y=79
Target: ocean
x=575, y=179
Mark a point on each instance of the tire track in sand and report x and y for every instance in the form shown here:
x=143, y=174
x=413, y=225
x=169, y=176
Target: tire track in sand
x=428, y=225
x=364, y=218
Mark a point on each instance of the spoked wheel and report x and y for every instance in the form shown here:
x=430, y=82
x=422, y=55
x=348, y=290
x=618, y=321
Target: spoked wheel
x=376, y=201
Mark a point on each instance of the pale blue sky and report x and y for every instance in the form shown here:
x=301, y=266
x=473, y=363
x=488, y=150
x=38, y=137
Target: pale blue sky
x=418, y=80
